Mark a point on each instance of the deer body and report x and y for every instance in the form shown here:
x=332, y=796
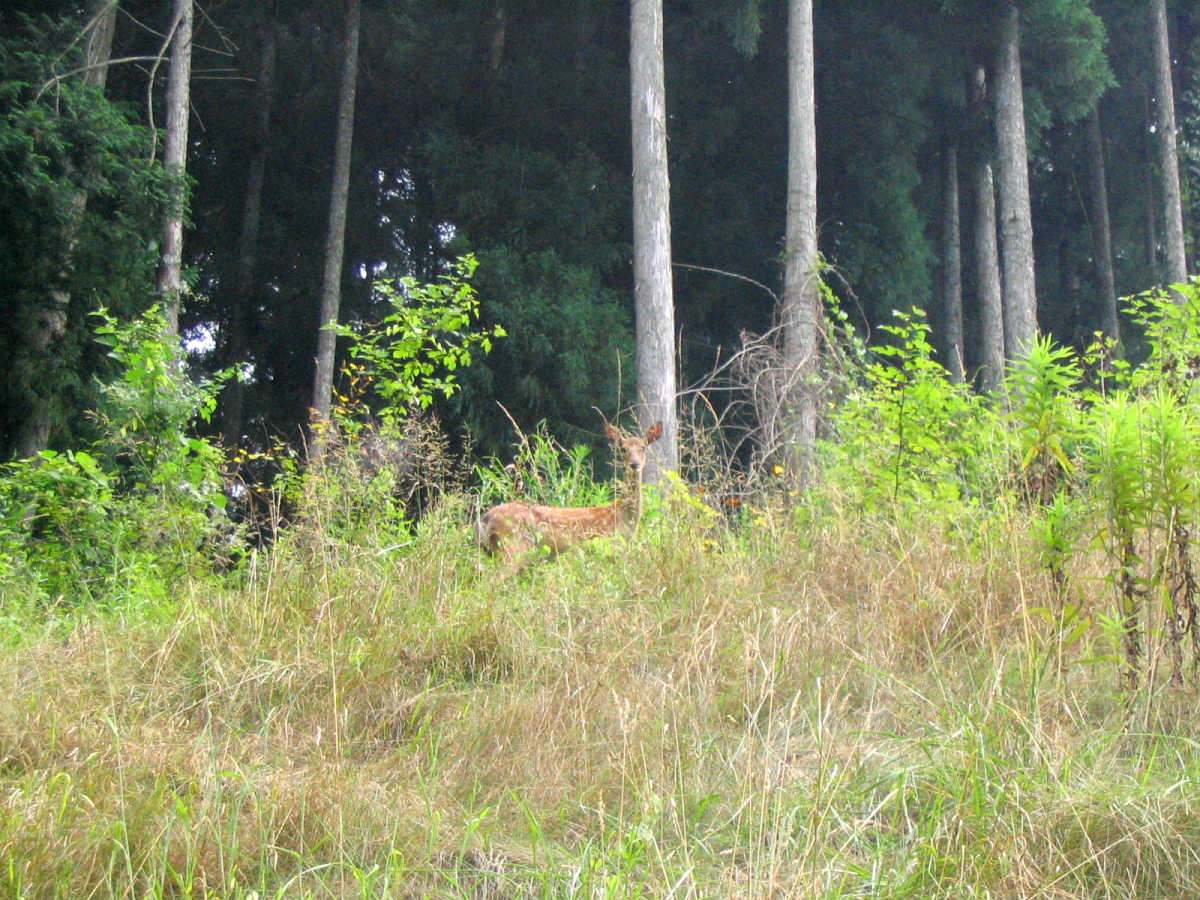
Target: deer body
x=513, y=530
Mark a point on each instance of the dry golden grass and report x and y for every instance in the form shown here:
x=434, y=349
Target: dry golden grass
x=779, y=710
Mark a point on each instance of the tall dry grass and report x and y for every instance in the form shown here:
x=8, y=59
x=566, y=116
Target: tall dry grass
x=799, y=706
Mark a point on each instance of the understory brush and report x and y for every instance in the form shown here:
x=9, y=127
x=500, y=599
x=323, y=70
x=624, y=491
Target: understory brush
x=118, y=524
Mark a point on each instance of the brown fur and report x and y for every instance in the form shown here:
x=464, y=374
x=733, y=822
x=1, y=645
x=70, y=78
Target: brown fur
x=514, y=530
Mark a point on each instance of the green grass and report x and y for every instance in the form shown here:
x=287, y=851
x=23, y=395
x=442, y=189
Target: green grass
x=849, y=708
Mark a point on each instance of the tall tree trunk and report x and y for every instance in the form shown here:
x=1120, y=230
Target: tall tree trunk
x=331, y=288
x=1016, y=221
x=951, y=274
x=98, y=47
x=989, y=299
x=1168, y=156
x=1150, y=208
x=499, y=35
x=232, y=412
x=800, y=315
x=654, y=305
x=1102, y=227
x=987, y=280
x=175, y=144
x=33, y=435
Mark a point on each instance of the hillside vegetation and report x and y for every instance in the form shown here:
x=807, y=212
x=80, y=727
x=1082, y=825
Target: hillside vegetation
x=912, y=680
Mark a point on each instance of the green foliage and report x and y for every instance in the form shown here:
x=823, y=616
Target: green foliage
x=1042, y=387
x=907, y=433
x=1055, y=530
x=1063, y=42
x=385, y=453
x=570, y=345
x=1141, y=457
x=55, y=519
x=148, y=409
x=1170, y=440
x=1111, y=463
x=543, y=471
x=1114, y=457
x=124, y=519
x=1142, y=451
x=412, y=356
x=80, y=207
x=1169, y=324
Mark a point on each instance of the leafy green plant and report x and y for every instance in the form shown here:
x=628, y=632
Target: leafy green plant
x=384, y=453
x=1142, y=460
x=1170, y=326
x=1113, y=454
x=55, y=522
x=148, y=410
x=1170, y=469
x=1142, y=463
x=907, y=433
x=413, y=354
x=140, y=506
x=1054, y=530
x=543, y=471
x=1043, y=387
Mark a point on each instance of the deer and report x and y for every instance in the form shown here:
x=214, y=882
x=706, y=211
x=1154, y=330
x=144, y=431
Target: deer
x=514, y=531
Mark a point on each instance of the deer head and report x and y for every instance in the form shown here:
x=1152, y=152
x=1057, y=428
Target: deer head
x=512, y=530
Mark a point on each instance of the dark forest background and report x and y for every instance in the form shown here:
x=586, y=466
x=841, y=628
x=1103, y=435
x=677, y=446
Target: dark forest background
x=502, y=129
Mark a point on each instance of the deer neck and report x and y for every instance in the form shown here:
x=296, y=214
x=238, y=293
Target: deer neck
x=629, y=505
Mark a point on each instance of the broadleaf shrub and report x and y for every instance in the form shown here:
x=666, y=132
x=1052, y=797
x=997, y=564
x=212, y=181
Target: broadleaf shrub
x=905, y=433
x=412, y=356
x=123, y=519
x=1141, y=459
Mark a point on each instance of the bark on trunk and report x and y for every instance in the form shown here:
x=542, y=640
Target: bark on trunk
x=1102, y=228
x=98, y=47
x=800, y=316
x=987, y=280
x=233, y=409
x=170, y=267
x=654, y=305
x=1168, y=156
x=499, y=34
x=1150, y=209
x=336, y=235
x=1016, y=223
x=951, y=280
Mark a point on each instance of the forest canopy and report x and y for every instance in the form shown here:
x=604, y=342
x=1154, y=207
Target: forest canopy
x=501, y=130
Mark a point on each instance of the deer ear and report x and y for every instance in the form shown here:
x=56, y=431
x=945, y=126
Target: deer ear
x=611, y=433
x=654, y=432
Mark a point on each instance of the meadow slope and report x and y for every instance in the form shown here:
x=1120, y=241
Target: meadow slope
x=811, y=704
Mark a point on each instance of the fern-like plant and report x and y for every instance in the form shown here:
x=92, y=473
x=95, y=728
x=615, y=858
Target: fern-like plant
x=1043, y=389
x=1114, y=455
